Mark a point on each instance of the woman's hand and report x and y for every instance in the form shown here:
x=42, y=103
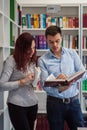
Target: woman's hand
x=27, y=79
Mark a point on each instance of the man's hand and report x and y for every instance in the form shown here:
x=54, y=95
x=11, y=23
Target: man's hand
x=62, y=76
x=63, y=88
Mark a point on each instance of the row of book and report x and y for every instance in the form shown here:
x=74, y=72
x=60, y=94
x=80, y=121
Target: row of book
x=42, y=123
x=41, y=42
x=84, y=61
x=44, y=20
x=84, y=85
x=69, y=41
x=84, y=43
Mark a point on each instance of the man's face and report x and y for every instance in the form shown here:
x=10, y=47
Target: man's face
x=54, y=42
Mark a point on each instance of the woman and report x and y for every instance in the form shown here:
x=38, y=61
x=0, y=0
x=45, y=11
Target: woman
x=17, y=77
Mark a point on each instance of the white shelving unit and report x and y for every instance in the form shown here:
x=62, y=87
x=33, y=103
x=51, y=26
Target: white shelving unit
x=67, y=10
x=41, y=101
x=84, y=56
x=5, y=47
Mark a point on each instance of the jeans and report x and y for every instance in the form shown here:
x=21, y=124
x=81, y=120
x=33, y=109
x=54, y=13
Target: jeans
x=58, y=112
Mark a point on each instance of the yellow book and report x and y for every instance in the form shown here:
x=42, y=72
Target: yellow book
x=36, y=21
x=64, y=22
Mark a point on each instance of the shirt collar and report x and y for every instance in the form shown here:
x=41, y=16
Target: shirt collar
x=63, y=52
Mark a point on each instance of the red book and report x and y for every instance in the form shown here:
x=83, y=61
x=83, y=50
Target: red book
x=76, y=22
x=84, y=20
x=70, y=22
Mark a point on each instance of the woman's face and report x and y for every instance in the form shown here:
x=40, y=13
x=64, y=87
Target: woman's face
x=32, y=48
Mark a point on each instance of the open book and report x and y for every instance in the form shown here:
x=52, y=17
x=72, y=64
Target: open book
x=53, y=82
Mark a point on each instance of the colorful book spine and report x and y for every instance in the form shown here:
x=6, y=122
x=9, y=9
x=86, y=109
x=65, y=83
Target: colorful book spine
x=70, y=22
x=42, y=122
x=44, y=42
x=48, y=21
x=19, y=15
x=24, y=25
x=85, y=20
x=28, y=20
x=36, y=20
x=42, y=20
x=76, y=22
x=37, y=43
x=64, y=22
x=60, y=22
x=32, y=21
x=84, y=85
x=53, y=21
x=40, y=38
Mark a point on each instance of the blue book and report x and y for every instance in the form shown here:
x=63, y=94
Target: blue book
x=28, y=17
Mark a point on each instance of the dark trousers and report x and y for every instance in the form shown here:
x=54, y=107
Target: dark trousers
x=22, y=118
x=58, y=112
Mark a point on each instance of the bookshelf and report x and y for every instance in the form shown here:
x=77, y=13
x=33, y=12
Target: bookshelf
x=70, y=30
x=84, y=57
x=15, y=22
x=5, y=49
x=67, y=18
x=72, y=14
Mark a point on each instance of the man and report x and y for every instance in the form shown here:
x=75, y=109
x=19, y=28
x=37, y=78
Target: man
x=62, y=103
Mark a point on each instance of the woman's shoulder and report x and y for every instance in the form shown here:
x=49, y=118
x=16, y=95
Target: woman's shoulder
x=10, y=60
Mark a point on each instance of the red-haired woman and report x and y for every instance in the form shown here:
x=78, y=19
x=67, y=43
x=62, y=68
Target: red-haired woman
x=17, y=77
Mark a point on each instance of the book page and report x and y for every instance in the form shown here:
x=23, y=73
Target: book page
x=76, y=75
x=51, y=77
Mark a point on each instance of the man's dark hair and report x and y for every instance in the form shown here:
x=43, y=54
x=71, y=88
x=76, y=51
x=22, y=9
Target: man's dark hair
x=52, y=30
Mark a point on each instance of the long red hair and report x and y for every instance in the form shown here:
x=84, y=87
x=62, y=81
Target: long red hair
x=22, y=46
